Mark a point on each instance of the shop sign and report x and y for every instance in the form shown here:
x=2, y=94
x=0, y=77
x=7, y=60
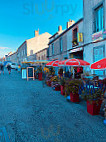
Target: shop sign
x=80, y=37
x=99, y=36
x=76, y=49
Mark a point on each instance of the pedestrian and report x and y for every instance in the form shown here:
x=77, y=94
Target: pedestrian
x=2, y=68
x=9, y=68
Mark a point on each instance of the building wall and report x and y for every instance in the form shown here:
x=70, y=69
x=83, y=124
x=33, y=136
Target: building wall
x=70, y=36
x=42, y=55
x=31, y=46
x=57, y=54
x=38, y=43
x=12, y=57
x=22, y=52
x=89, y=45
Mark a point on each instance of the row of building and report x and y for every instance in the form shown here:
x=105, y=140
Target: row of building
x=84, y=39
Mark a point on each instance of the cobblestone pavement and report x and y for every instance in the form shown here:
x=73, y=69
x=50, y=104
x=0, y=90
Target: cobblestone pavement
x=32, y=113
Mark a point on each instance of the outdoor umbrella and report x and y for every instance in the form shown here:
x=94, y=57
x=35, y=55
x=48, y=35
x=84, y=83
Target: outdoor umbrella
x=101, y=64
x=53, y=63
x=73, y=62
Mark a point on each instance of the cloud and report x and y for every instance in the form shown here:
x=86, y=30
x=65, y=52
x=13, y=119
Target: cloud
x=3, y=48
x=4, y=51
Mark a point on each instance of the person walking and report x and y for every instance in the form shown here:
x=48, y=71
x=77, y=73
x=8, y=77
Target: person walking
x=9, y=68
x=1, y=68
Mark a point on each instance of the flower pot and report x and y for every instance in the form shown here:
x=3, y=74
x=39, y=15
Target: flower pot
x=40, y=76
x=62, y=88
x=57, y=88
x=94, y=108
x=49, y=83
x=74, y=97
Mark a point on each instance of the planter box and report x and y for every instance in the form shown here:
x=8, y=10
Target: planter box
x=57, y=88
x=40, y=76
x=74, y=97
x=49, y=83
x=94, y=108
x=62, y=88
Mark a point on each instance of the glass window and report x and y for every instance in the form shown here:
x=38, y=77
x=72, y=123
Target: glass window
x=61, y=45
x=52, y=49
x=99, y=18
x=98, y=55
x=75, y=43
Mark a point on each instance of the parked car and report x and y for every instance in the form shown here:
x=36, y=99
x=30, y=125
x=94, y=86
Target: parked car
x=14, y=66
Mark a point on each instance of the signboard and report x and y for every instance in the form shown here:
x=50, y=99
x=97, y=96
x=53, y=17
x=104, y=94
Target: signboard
x=30, y=73
x=76, y=49
x=80, y=37
x=99, y=36
x=24, y=74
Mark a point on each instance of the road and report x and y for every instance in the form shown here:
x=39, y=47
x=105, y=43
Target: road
x=32, y=113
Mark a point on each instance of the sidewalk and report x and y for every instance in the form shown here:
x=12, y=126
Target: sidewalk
x=31, y=113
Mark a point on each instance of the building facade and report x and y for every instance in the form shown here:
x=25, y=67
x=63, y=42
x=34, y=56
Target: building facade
x=12, y=57
x=95, y=32
x=69, y=43
x=42, y=54
x=32, y=46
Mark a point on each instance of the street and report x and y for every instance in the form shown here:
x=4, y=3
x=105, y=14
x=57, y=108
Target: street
x=32, y=113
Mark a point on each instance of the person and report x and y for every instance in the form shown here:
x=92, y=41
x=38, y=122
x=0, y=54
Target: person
x=2, y=68
x=9, y=68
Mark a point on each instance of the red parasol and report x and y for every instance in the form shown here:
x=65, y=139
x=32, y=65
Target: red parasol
x=101, y=64
x=53, y=63
x=73, y=62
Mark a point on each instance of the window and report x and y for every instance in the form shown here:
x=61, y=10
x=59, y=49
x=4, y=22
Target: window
x=61, y=45
x=31, y=52
x=52, y=49
x=98, y=55
x=98, y=19
x=75, y=31
x=48, y=51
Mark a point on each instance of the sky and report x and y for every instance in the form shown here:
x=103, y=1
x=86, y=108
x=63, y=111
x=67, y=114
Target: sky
x=20, y=18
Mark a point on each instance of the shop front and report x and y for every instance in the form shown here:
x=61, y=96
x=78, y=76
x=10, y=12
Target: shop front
x=76, y=53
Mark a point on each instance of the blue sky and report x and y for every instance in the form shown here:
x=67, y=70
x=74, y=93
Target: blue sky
x=19, y=19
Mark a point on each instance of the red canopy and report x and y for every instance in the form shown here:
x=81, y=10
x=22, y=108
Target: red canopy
x=101, y=64
x=53, y=63
x=73, y=62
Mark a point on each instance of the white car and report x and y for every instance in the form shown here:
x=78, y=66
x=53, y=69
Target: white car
x=14, y=66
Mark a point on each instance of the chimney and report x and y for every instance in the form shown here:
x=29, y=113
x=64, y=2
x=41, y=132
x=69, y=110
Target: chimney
x=60, y=29
x=36, y=33
x=70, y=23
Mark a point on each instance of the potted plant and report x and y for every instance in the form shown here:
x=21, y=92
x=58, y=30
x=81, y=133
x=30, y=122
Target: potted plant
x=55, y=84
x=51, y=71
x=75, y=42
x=60, y=72
x=62, y=84
x=93, y=96
x=72, y=88
x=40, y=70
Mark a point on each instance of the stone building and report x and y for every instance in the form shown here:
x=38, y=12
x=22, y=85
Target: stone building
x=31, y=46
x=66, y=44
x=42, y=54
x=12, y=57
x=95, y=32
